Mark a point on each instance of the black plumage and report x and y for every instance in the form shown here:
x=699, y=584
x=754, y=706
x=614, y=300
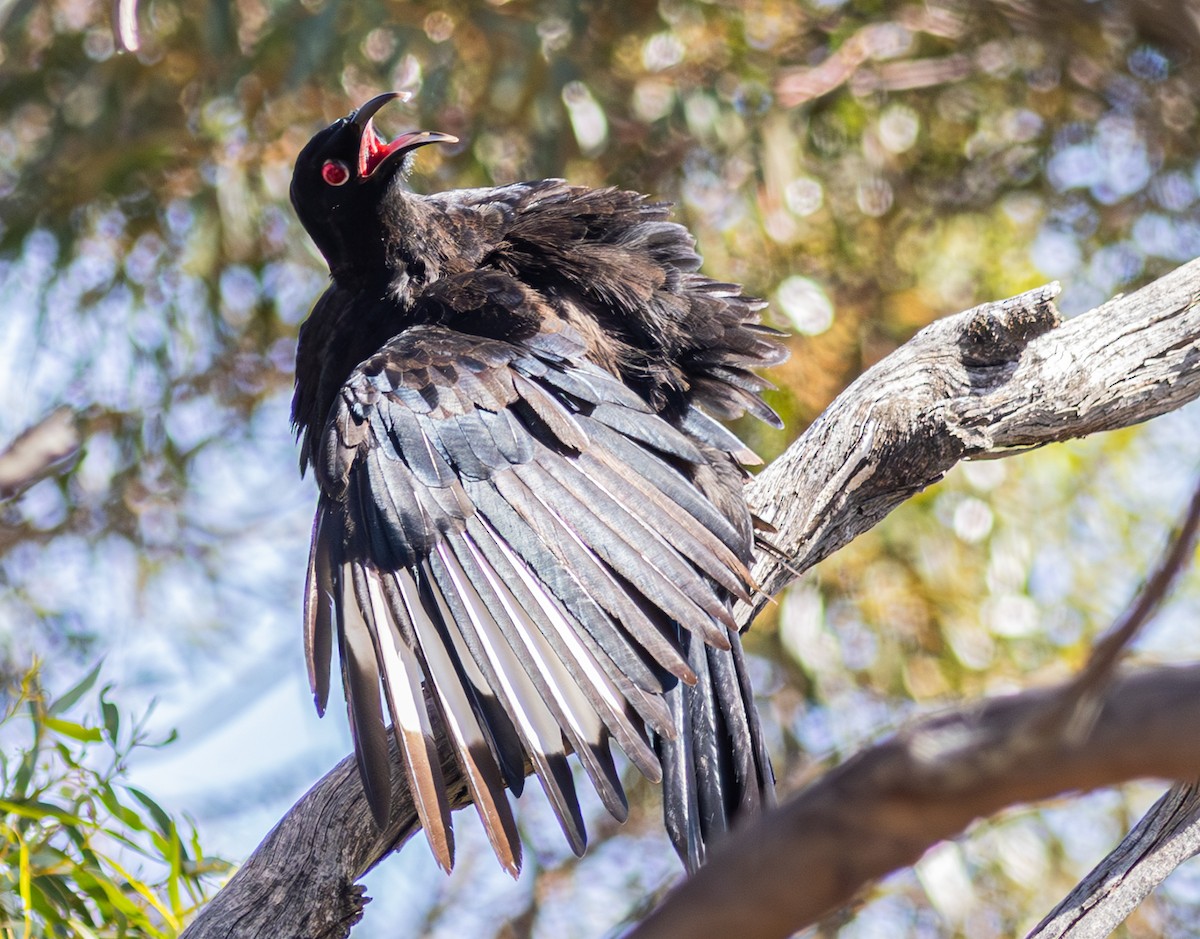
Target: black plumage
x=531, y=528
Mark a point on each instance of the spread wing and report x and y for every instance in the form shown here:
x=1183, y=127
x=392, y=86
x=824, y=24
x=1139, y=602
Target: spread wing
x=509, y=549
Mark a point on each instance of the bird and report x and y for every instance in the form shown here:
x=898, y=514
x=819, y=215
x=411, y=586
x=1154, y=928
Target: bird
x=530, y=528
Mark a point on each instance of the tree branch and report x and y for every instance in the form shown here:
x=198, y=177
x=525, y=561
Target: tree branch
x=1166, y=836
x=300, y=882
x=38, y=451
x=883, y=808
x=1000, y=377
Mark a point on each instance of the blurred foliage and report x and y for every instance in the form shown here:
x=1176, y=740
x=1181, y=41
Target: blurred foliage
x=867, y=167
x=74, y=838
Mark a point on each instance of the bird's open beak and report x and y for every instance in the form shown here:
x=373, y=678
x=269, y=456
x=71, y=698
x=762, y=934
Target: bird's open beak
x=374, y=150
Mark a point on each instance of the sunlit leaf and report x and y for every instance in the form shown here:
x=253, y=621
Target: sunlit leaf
x=72, y=695
x=164, y=822
x=39, y=811
x=73, y=730
x=25, y=885
x=112, y=719
x=147, y=893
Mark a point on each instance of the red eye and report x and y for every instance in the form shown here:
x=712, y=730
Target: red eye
x=335, y=172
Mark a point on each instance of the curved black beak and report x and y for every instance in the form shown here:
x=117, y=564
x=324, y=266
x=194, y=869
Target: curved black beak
x=362, y=117
x=374, y=151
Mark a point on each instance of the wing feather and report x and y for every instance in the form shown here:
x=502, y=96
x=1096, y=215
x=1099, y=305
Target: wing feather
x=493, y=719
x=680, y=800
x=615, y=650
x=654, y=569
x=318, y=606
x=520, y=549
x=680, y=543
x=361, y=671
x=743, y=784
x=654, y=433
x=413, y=729
x=558, y=419
x=695, y=542
x=508, y=675
x=608, y=691
x=705, y=728
x=461, y=719
x=632, y=460
x=572, y=708
x=568, y=565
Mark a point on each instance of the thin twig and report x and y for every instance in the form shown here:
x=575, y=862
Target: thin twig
x=1079, y=698
x=1181, y=547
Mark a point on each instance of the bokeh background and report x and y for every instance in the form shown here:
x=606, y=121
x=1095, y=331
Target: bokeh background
x=867, y=167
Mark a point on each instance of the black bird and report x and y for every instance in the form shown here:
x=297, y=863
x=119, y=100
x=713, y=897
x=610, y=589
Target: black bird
x=531, y=526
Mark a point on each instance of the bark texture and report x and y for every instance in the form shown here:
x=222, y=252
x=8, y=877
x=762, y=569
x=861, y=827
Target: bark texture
x=1167, y=836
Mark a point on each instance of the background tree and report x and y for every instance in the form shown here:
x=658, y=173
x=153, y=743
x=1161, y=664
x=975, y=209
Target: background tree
x=867, y=168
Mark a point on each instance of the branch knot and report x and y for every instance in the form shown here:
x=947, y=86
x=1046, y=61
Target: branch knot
x=997, y=333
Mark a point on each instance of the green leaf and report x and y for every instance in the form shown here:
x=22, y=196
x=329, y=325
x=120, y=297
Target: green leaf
x=146, y=893
x=25, y=885
x=73, y=730
x=111, y=893
x=122, y=813
x=161, y=818
x=86, y=883
x=175, y=874
x=72, y=838
x=57, y=890
x=24, y=775
x=78, y=691
x=112, y=718
x=84, y=932
x=39, y=811
x=66, y=754
x=35, y=718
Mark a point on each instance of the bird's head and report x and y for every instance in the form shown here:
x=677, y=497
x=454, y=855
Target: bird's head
x=342, y=176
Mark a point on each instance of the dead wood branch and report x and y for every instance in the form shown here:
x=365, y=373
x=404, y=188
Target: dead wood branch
x=884, y=808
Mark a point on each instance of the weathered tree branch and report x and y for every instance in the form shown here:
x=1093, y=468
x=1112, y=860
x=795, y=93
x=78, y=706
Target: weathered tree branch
x=883, y=808
x=1166, y=836
x=300, y=882
x=1003, y=376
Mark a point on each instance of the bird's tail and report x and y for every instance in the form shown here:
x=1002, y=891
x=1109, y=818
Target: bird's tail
x=716, y=771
